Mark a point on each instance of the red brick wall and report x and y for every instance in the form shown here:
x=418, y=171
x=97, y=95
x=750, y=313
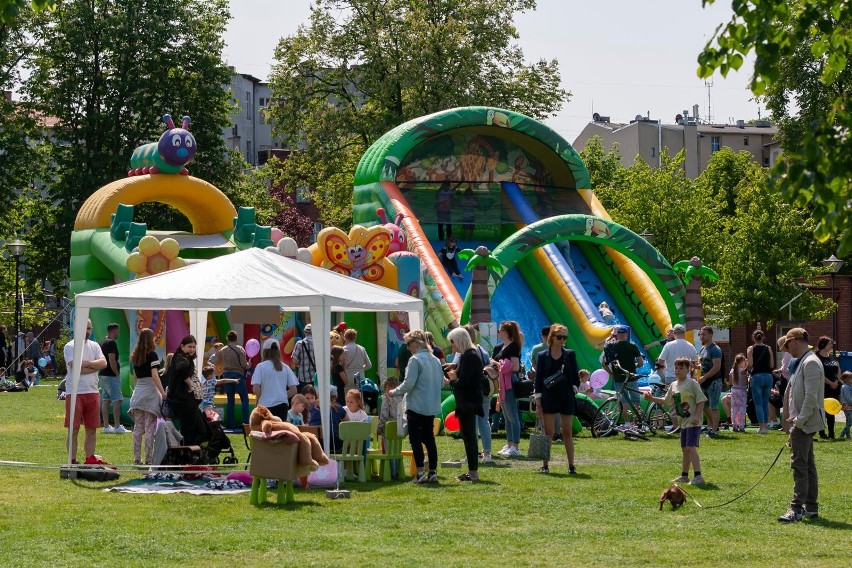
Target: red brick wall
x=741, y=335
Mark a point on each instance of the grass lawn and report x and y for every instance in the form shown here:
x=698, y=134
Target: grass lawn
x=607, y=515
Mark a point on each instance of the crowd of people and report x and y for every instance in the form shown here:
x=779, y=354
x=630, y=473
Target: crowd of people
x=789, y=397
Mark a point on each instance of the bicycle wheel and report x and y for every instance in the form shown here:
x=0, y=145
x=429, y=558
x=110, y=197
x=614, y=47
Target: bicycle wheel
x=606, y=418
x=657, y=418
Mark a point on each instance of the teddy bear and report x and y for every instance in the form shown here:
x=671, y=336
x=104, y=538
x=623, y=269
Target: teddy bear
x=310, y=450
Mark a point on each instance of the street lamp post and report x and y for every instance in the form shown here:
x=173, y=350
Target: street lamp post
x=17, y=248
x=833, y=264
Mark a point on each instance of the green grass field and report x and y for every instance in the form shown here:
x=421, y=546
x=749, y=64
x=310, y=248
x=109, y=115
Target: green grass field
x=605, y=516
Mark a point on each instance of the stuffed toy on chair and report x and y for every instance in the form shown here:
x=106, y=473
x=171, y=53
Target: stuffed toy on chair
x=310, y=450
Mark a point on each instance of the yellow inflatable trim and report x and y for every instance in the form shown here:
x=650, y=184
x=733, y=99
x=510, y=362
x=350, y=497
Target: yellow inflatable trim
x=208, y=209
x=638, y=280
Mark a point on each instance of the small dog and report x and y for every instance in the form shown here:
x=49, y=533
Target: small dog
x=673, y=495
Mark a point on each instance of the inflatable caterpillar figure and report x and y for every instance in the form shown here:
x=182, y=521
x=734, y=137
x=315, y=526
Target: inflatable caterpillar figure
x=175, y=150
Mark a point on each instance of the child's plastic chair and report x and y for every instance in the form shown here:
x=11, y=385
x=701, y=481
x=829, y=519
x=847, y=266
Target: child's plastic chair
x=354, y=436
x=393, y=451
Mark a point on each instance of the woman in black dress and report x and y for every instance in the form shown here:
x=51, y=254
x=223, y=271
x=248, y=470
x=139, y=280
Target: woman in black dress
x=181, y=396
x=560, y=398
x=832, y=380
x=466, y=381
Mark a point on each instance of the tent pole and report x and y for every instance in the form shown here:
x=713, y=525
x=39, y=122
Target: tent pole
x=321, y=320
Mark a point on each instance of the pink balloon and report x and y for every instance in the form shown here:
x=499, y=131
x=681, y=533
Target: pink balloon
x=598, y=379
x=277, y=235
x=252, y=347
x=451, y=423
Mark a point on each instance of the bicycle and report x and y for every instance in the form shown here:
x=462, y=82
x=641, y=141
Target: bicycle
x=608, y=417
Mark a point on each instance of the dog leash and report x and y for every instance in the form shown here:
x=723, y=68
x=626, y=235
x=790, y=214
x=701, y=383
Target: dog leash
x=747, y=491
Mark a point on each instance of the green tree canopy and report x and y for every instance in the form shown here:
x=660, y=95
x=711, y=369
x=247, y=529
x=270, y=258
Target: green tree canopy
x=361, y=67
x=108, y=70
x=802, y=58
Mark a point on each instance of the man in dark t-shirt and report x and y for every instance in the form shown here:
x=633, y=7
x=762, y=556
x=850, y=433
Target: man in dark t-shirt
x=109, y=381
x=628, y=357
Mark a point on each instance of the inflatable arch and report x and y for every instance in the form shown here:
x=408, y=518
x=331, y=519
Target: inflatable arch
x=600, y=232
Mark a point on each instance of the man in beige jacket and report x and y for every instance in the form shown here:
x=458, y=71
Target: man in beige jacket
x=804, y=412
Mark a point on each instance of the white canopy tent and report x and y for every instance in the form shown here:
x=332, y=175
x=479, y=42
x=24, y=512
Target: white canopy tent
x=250, y=278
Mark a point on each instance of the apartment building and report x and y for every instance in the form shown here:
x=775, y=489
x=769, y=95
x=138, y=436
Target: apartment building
x=643, y=138
x=250, y=131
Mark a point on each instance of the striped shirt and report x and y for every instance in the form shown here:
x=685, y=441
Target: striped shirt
x=303, y=354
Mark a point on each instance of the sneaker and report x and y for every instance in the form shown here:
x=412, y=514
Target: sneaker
x=681, y=479
x=120, y=429
x=109, y=429
x=791, y=516
x=97, y=460
x=711, y=434
x=486, y=458
x=763, y=431
x=513, y=451
x=503, y=449
x=572, y=470
x=419, y=478
x=810, y=514
x=430, y=478
x=697, y=480
x=544, y=469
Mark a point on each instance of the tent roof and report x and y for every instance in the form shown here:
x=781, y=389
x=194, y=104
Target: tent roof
x=252, y=277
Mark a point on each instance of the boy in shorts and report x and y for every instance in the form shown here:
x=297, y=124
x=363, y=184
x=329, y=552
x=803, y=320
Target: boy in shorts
x=687, y=399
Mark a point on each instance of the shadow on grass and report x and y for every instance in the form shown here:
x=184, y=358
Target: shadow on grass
x=836, y=525
x=294, y=506
x=567, y=475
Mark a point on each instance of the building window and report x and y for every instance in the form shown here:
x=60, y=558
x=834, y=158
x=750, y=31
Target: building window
x=303, y=194
x=715, y=146
x=248, y=105
x=235, y=131
x=745, y=140
x=653, y=152
x=317, y=228
x=249, y=157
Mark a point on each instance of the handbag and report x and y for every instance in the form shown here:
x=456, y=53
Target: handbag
x=166, y=410
x=554, y=379
x=539, y=444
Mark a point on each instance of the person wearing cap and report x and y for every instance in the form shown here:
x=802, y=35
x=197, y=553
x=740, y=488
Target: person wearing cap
x=273, y=383
x=804, y=411
x=629, y=358
x=710, y=380
x=304, y=360
x=673, y=350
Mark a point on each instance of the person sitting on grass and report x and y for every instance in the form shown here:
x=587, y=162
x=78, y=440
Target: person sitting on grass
x=688, y=400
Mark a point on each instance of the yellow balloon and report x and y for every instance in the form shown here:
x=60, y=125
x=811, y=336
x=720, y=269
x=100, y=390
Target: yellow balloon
x=832, y=405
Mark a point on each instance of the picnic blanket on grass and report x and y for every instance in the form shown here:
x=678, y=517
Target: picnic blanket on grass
x=174, y=483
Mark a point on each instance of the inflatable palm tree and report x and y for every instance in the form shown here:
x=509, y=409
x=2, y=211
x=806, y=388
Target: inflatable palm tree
x=480, y=261
x=692, y=272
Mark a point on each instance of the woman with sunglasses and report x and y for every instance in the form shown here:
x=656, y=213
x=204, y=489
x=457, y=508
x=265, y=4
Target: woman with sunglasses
x=424, y=379
x=559, y=399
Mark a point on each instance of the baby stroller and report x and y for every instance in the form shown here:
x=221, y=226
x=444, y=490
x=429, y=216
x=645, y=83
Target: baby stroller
x=206, y=453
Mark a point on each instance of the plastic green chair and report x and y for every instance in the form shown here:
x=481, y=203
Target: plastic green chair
x=354, y=436
x=393, y=451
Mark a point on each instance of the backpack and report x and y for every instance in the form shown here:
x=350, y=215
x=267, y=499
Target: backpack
x=490, y=375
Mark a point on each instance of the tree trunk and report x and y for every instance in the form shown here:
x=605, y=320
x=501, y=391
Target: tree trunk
x=694, y=306
x=480, y=302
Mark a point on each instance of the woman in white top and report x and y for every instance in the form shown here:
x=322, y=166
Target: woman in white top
x=273, y=383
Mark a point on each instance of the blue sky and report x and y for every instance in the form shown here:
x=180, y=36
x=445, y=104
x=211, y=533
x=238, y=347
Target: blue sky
x=619, y=58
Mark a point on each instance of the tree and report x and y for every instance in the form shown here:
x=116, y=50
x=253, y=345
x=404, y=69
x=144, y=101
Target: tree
x=362, y=67
x=10, y=10
x=817, y=35
x=765, y=258
x=604, y=165
x=681, y=213
x=108, y=70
